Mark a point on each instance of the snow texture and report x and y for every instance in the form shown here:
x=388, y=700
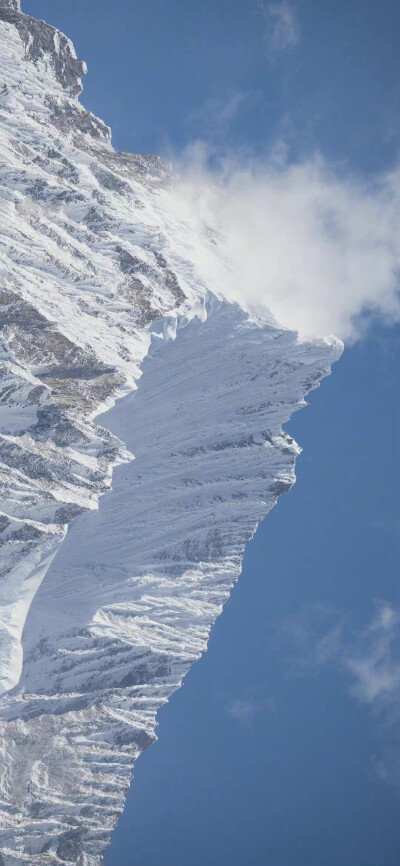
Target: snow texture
x=98, y=292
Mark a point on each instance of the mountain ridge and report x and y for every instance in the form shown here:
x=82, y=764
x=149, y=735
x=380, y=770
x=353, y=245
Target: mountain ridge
x=100, y=296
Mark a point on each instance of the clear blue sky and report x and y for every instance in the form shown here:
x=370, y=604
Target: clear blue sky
x=267, y=757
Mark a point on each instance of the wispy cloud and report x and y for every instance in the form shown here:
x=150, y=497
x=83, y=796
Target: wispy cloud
x=212, y=120
x=282, y=30
x=390, y=526
x=245, y=709
x=373, y=661
x=319, y=637
x=311, y=639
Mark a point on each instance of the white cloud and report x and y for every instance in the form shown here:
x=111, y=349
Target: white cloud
x=282, y=28
x=318, y=638
x=317, y=248
x=374, y=659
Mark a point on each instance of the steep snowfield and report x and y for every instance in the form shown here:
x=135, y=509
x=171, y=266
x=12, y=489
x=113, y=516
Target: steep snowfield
x=98, y=290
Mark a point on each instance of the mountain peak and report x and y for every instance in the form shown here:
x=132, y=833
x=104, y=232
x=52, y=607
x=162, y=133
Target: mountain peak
x=45, y=44
x=100, y=301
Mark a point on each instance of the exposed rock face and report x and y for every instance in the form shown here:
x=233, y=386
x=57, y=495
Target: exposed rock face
x=97, y=634
x=43, y=44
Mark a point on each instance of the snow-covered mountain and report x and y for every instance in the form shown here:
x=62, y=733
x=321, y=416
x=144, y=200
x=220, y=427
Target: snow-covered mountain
x=99, y=295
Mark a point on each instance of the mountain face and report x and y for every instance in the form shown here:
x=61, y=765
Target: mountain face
x=119, y=364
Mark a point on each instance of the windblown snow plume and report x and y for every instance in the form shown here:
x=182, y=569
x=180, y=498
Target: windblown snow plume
x=101, y=291
x=318, y=249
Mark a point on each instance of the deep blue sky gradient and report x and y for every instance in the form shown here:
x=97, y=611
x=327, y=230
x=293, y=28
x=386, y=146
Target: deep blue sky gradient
x=295, y=785
x=153, y=63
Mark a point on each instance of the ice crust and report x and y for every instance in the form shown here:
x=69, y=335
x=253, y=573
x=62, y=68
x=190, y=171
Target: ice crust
x=97, y=296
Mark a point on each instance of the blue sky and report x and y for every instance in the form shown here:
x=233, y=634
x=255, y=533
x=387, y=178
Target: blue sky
x=281, y=748
x=153, y=66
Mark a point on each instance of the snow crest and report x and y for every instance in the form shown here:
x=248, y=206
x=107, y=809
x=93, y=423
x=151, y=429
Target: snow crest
x=98, y=292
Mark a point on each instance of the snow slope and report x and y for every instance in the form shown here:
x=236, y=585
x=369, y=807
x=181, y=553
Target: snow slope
x=98, y=291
